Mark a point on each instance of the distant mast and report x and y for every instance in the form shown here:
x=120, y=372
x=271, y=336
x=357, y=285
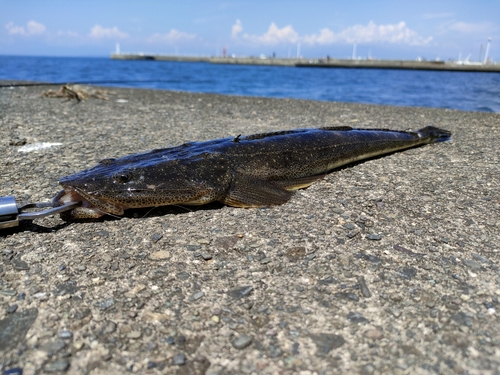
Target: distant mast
x=487, y=51
x=117, y=51
x=354, y=51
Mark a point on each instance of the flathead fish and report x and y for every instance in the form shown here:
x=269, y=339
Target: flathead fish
x=244, y=171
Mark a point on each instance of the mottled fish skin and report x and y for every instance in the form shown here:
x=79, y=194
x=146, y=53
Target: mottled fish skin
x=245, y=171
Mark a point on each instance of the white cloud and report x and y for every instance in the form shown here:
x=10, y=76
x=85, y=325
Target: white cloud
x=35, y=28
x=236, y=29
x=172, y=37
x=472, y=28
x=325, y=36
x=32, y=28
x=99, y=32
x=371, y=33
x=274, y=35
x=398, y=33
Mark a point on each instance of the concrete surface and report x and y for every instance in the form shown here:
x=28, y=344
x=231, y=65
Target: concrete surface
x=389, y=266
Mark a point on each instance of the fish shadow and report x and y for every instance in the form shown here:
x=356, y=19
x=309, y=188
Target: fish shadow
x=140, y=213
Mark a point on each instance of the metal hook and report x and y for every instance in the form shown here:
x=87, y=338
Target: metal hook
x=11, y=214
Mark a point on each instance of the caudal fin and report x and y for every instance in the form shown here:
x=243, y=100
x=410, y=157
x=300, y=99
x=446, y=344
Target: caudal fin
x=434, y=134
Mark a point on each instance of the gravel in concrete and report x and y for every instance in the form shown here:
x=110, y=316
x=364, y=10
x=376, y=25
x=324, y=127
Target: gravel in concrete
x=388, y=266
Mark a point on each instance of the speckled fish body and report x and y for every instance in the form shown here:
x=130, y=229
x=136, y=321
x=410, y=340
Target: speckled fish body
x=245, y=171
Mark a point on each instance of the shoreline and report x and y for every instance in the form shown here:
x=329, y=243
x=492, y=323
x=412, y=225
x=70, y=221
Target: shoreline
x=388, y=266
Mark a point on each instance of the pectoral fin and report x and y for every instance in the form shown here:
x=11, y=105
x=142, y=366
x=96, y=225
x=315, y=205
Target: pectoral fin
x=249, y=192
x=300, y=183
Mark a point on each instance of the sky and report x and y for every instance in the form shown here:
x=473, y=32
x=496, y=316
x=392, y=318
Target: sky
x=385, y=29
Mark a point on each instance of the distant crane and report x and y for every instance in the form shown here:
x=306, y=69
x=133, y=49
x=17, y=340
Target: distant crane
x=487, y=51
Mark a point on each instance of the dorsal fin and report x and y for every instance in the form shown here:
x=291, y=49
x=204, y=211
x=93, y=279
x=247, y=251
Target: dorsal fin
x=336, y=128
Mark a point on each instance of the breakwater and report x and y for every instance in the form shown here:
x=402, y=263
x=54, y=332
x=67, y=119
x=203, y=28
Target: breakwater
x=322, y=63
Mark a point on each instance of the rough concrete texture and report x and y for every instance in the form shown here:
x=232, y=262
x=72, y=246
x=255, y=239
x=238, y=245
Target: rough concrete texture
x=388, y=266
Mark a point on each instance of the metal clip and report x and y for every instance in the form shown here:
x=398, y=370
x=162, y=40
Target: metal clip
x=11, y=214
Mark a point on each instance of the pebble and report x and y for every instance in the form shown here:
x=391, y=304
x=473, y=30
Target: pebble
x=183, y=275
x=108, y=327
x=8, y=292
x=364, y=288
x=156, y=237
x=65, y=334
x=368, y=369
x=215, y=319
x=196, y=296
x=159, y=255
x=179, y=359
x=348, y=296
x=349, y=226
x=53, y=347
x=310, y=256
x=374, y=237
x=374, y=334
x=42, y=296
x=20, y=265
x=105, y=304
x=355, y=317
x=480, y=258
x=12, y=309
x=242, y=341
x=370, y=258
x=240, y=292
x=326, y=342
x=57, y=366
x=205, y=255
x=134, y=335
x=170, y=340
x=265, y=308
x=407, y=272
x=274, y=351
x=472, y=264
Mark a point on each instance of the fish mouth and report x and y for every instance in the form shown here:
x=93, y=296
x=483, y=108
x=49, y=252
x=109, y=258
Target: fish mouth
x=90, y=208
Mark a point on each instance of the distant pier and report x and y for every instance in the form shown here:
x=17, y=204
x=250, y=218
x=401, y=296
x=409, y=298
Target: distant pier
x=322, y=63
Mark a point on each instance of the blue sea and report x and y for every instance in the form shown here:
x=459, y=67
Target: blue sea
x=455, y=90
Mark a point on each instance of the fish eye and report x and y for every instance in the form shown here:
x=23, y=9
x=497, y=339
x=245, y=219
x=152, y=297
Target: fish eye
x=123, y=177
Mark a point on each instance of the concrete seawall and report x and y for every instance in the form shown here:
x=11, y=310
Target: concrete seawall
x=390, y=266
x=321, y=63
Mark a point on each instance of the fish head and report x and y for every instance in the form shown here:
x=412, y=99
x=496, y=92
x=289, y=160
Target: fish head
x=115, y=185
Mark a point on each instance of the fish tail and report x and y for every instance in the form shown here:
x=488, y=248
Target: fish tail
x=433, y=134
